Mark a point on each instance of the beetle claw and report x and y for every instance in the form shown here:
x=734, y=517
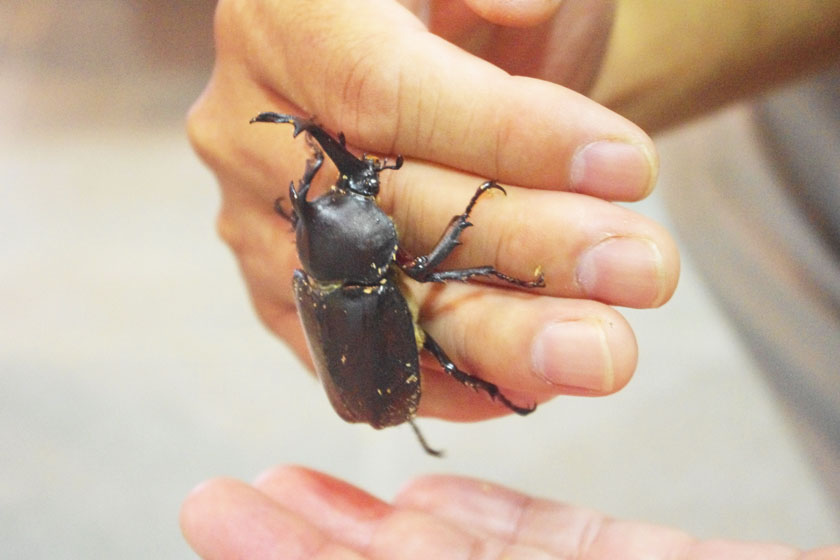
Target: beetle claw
x=397, y=164
x=520, y=410
x=483, y=188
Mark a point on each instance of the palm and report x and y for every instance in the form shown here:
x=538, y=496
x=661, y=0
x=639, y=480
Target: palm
x=297, y=513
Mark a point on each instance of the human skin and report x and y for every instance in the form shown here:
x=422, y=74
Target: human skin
x=671, y=61
x=458, y=115
x=421, y=97
x=457, y=120
x=293, y=513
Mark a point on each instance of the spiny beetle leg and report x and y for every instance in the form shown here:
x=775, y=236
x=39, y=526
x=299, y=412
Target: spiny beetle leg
x=295, y=195
x=396, y=165
x=482, y=188
x=421, y=267
x=464, y=274
x=471, y=380
x=312, y=167
x=422, y=440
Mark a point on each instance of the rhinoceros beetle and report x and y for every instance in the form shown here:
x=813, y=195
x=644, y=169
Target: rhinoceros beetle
x=363, y=334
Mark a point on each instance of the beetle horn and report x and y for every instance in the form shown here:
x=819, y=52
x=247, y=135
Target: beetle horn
x=346, y=162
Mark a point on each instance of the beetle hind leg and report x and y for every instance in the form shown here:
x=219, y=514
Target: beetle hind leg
x=422, y=440
x=471, y=380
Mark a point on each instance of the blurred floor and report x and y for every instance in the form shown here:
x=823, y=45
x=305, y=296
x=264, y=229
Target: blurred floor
x=132, y=367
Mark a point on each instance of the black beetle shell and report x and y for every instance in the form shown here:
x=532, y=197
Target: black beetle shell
x=363, y=343
x=345, y=237
x=363, y=338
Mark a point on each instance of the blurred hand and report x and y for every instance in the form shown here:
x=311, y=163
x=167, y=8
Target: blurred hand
x=562, y=41
x=374, y=71
x=295, y=513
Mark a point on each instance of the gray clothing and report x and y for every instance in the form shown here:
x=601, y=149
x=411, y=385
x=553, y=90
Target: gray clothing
x=764, y=225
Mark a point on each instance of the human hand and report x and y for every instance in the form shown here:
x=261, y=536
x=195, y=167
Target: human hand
x=371, y=70
x=296, y=513
x=562, y=41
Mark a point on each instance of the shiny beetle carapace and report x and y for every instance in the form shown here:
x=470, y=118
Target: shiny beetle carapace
x=363, y=335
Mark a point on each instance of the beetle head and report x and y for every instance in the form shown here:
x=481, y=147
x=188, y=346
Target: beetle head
x=365, y=180
x=360, y=175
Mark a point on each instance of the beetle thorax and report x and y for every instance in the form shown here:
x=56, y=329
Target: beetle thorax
x=345, y=237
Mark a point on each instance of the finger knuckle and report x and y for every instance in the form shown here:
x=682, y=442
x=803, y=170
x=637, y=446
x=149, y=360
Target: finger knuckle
x=203, y=133
x=230, y=18
x=229, y=231
x=368, y=93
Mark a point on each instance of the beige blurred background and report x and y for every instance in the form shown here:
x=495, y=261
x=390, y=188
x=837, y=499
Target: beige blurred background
x=132, y=367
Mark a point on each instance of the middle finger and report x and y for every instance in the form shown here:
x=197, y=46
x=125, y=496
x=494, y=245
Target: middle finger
x=585, y=247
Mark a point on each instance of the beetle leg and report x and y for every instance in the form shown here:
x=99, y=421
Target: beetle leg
x=298, y=196
x=422, y=440
x=312, y=167
x=471, y=380
x=464, y=274
x=422, y=268
x=396, y=165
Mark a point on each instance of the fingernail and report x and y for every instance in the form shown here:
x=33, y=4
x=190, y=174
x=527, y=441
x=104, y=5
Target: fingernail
x=574, y=355
x=613, y=170
x=622, y=271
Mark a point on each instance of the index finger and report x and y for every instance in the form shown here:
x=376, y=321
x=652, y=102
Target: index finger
x=374, y=72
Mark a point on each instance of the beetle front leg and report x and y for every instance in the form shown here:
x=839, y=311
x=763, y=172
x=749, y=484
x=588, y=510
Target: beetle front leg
x=312, y=166
x=298, y=196
x=471, y=380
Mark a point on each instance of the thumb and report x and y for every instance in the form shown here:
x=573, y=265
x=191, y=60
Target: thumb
x=515, y=13
x=560, y=41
